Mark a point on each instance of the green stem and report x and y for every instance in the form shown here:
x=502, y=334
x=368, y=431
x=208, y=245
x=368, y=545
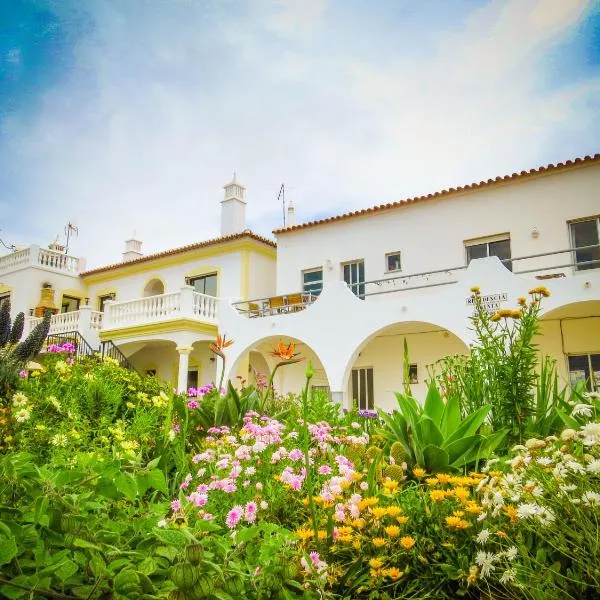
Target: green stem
x=309, y=479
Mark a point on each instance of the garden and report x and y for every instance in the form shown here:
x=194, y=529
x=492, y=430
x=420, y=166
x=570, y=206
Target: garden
x=112, y=486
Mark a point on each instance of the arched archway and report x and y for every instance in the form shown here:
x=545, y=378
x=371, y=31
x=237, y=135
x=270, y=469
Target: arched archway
x=289, y=378
x=154, y=287
x=376, y=369
x=571, y=335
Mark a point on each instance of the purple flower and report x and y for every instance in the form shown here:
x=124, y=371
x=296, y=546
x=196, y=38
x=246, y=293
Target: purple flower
x=193, y=404
x=176, y=505
x=234, y=516
x=22, y=373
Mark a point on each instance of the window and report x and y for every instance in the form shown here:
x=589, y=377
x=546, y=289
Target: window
x=498, y=246
x=586, y=233
x=586, y=368
x=69, y=304
x=354, y=276
x=322, y=389
x=205, y=284
x=192, y=378
x=362, y=388
x=413, y=373
x=312, y=281
x=102, y=300
x=150, y=372
x=392, y=261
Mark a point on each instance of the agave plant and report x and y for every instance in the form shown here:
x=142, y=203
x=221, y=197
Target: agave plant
x=435, y=436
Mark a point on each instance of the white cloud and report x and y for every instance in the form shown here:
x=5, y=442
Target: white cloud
x=164, y=104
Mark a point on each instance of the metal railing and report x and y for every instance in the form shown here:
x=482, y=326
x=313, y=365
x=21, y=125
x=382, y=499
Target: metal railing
x=275, y=305
x=80, y=344
x=108, y=349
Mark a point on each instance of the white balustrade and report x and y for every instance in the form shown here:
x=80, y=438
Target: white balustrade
x=60, y=323
x=96, y=320
x=57, y=260
x=14, y=259
x=205, y=307
x=164, y=307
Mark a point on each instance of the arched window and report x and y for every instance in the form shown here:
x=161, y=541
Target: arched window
x=153, y=288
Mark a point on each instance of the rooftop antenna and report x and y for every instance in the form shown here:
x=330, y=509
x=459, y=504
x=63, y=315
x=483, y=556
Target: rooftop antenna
x=281, y=196
x=10, y=247
x=70, y=229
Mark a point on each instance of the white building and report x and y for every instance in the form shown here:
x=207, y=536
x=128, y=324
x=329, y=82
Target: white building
x=349, y=289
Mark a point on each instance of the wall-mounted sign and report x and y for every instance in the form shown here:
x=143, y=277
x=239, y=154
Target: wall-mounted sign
x=489, y=302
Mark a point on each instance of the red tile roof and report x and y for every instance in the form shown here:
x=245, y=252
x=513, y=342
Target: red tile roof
x=461, y=189
x=214, y=242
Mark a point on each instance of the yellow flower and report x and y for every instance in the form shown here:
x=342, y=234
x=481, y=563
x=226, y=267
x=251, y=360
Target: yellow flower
x=393, y=573
x=459, y=513
x=345, y=484
x=356, y=544
x=392, y=530
x=379, y=542
x=378, y=512
x=366, y=502
x=437, y=495
x=321, y=535
x=375, y=563
x=511, y=513
x=304, y=533
x=456, y=523
x=344, y=538
x=522, y=301
x=358, y=523
x=407, y=542
x=40, y=427
x=443, y=477
x=375, y=573
x=402, y=520
x=473, y=571
x=541, y=290
x=390, y=486
x=516, y=314
x=461, y=493
x=431, y=481
x=473, y=508
x=130, y=405
x=418, y=472
x=394, y=511
x=475, y=289
x=344, y=531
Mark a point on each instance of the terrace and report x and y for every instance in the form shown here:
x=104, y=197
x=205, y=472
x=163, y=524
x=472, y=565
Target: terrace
x=41, y=258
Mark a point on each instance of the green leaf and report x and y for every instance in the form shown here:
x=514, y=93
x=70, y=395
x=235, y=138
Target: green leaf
x=471, y=424
x=436, y=459
x=434, y=405
x=172, y=537
x=66, y=569
x=80, y=543
x=167, y=552
x=153, y=463
x=246, y=534
x=107, y=489
x=9, y=591
x=459, y=447
x=158, y=481
x=127, y=485
x=8, y=550
x=451, y=417
x=429, y=433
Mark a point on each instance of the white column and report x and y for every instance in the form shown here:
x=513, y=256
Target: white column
x=186, y=301
x=339, y=398
x=107, y=316
x=184, y=361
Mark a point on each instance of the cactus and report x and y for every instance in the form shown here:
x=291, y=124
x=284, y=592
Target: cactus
x=398, y=453
x=395, y=472
x=17, y=329
x=373, y=452
x=353, y=454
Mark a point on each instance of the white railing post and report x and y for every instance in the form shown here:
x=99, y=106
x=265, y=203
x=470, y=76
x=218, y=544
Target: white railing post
x=85, y=328
x=107, y=319
x=186, y=301
x=34, y=254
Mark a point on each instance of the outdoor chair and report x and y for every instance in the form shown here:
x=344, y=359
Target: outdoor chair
x=295, y=302
x=276, y=305
x=253, y=310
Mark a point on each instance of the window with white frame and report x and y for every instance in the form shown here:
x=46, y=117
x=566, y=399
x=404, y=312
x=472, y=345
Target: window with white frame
x=362, y=388
x=312, y=281
x=205, y=284
x=498, y=245
x=585, y=368
x=354, y=276
x=586, y=233
x=69, y=304
x=392, y=262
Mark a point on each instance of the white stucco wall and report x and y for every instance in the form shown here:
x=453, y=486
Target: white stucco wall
x=262, y=273
x=430, y=234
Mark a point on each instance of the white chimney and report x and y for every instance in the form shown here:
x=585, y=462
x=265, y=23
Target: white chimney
x=233, y=208
x=133, y=250
x=291, y=215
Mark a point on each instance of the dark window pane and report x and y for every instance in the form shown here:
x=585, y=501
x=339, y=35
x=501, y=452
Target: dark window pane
x=354, y=385
x=192, y=378
x=579, y=369
x=370, y=391
x=476, y=251
x=501, y=249
x=211, y=285
x=595, y=360
x=69, y=304
x=205, y=284
x=312, y=282
x=393, y=262
x=585, y=233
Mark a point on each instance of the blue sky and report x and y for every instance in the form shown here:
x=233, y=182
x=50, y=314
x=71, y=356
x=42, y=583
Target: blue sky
x=130, y=116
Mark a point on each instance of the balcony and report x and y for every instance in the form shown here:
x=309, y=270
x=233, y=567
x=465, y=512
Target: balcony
x=545, y=266
x=42, y=258
x=184, y=304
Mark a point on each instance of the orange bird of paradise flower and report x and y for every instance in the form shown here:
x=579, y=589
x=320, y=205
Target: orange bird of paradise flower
x=220, y=345
x=286, y=353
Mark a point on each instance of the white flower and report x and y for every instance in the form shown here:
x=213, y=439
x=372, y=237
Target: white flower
x=545, y=516
x=568, y=488
x=591, y=434
x=574, y=466
x=526, y=511
x=264, y=505
x=594, y=466
x=582, y=409
x=54, y=401
x=519, y=448
x=162, y=523
x=511, y=553
x=486, y=561
x=20, y=399
x=22, y=415
x=60, y=440
x=592, y=395
x=508, y=576
x=591, y=499
x=172, y=435
x=544, y=461
x=483, y=536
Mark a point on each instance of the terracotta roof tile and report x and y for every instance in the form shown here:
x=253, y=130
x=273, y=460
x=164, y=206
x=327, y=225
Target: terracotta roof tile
x=449, y=191
x=214, y=242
